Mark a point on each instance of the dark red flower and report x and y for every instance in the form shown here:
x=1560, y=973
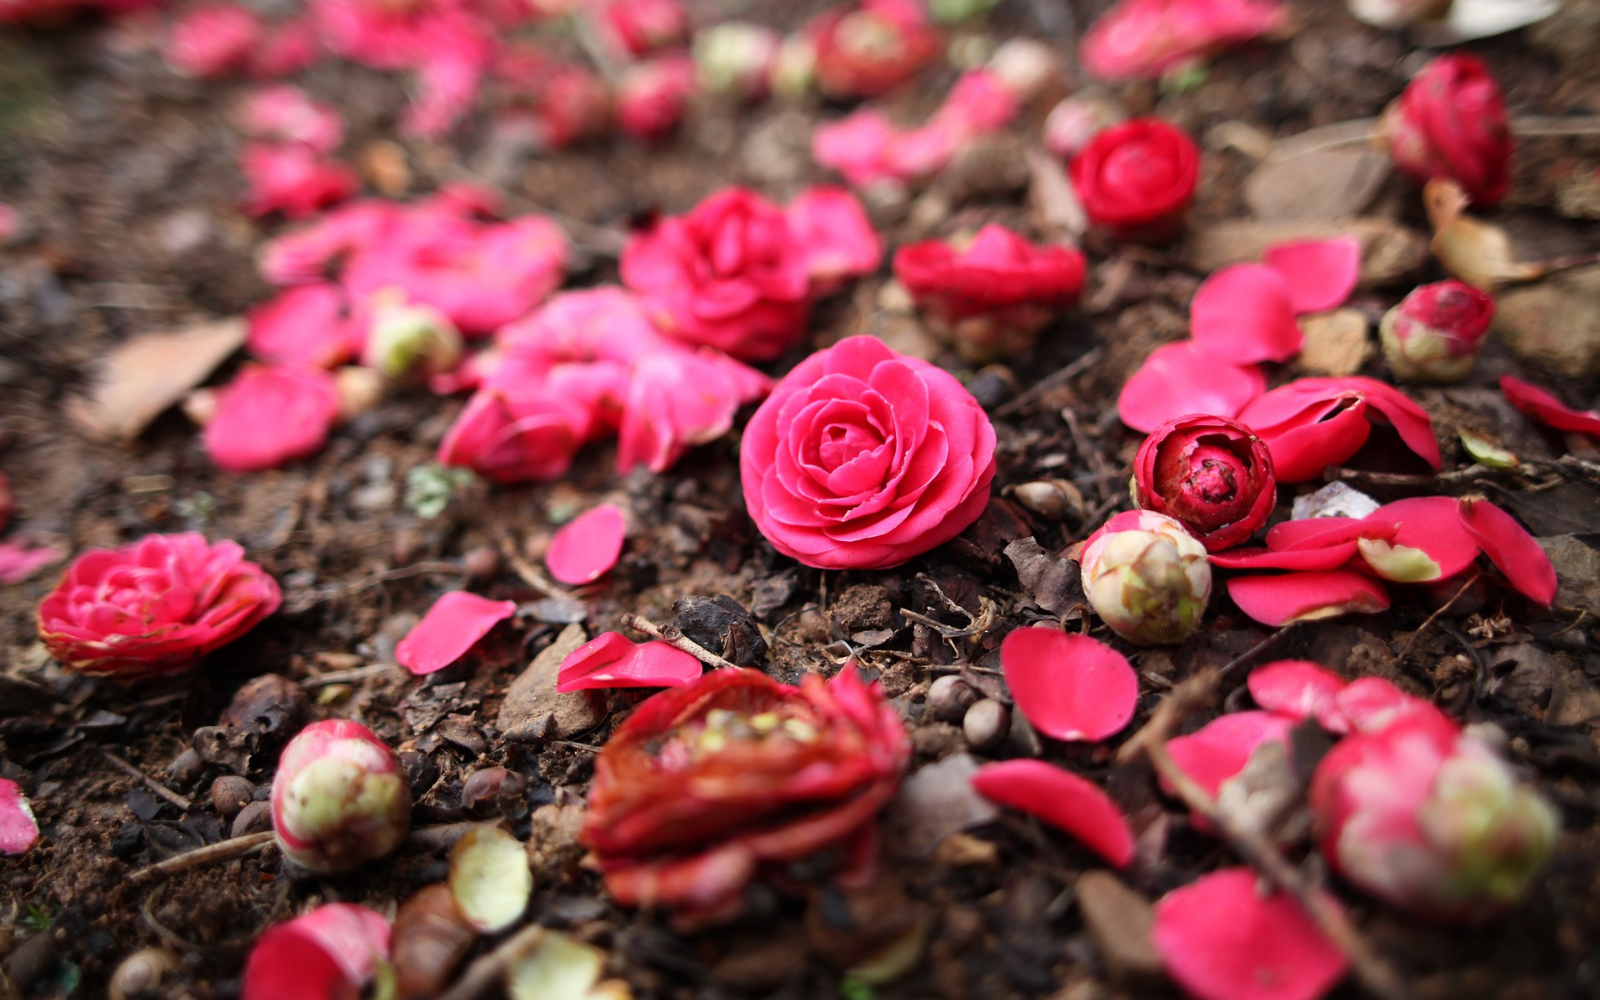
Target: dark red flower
x=708, y=783
x=1212, y=474
x=1137, y=179
x=864, y=50
x=1451, y=122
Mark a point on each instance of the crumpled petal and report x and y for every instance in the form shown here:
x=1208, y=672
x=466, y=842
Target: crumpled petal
x=1063, y=800
x=1292, y=597
x=1070, y=687
x=1320, y=274
x=1244, y=313
x=585, y=548
x=1165, y=387
x=20, y=560
x=19, y=831
x=612, y=660
x=1300, y=690
x=1511, y=548
x=452, y=626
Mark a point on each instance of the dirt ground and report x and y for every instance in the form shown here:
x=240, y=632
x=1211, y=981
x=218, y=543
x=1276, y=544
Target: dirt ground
x=126, y=176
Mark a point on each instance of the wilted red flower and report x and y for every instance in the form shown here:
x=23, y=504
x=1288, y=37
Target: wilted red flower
x=991, y=296
x=1136, y=179
x=867, y=50
x=1143, y=39
x=1210, y=473
x=270, y=414
x=153, y=607
x=862, y=458
x=211, y=40
x=653, y=95
x=1312, y=423
x=707, y=784
x=1451, y=122
x=333, y=951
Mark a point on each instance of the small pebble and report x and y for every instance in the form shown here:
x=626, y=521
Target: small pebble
x=231, y=793
x=253, y=818
x=986, y=724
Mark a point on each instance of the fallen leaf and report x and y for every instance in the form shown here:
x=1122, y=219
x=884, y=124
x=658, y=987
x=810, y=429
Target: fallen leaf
x=1327, y=173
x=145, y=375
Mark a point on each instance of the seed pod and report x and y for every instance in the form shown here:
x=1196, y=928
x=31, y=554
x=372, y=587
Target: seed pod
x=986, y=724
x=1056, y=499
x=949, y=697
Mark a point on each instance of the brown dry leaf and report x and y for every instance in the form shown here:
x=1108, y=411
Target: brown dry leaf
x=1472, y=250
x=1053, y=200
x=1327, y=173
x=149, y=373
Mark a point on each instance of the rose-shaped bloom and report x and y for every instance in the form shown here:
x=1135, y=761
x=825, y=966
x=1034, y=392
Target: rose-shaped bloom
x=340, y=797
x=862, y=458
x=1312, y=423
x=1451, y=122
x=1436, y=332
x=153, y=607
x=1430, y=818
x=990, y=297
x=867, y=50
x=708, y=783
x=1147, y=577
x=1136, y=179
x=730, y=275
x=1211, y=474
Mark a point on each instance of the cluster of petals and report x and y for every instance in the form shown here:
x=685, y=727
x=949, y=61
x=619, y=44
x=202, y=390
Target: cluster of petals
x=1137, y=178
x=333, y=951
x=865, y=49
x=1451, y=123
x=1210, y=473
x=1145, y=39
x=153, y=607
x=708, y=784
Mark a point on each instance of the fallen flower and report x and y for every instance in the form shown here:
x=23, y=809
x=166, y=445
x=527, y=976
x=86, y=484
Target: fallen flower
x=283, y=113
x=333, y=951
x=340, y=797
x=1069, y=687
x=1165, y=387
x=19, y=830
x=679, y=398
x=512, y=437
x=1451, y=122
x=1210, y=473
x=304, y=326
x=1511, y=548
x=612, y=660
x=212, y=40
x=1299, y=690
x=1312, y=423
x=838, y=238
x=294, y=179
x=867, y=49
x=452, y=626
x=585, y=548
x=1144, y=39
x=1137, y=179
x=1147, y=577
x=153, y=607
x=20, y=560
x=270, y=414
x=1544, y=407
x=1370, y=704
x=1244, y=314
x=1436, y=332
x=1278, y=600
x=1061, y=799
x=652, y=96
x=1320, y=274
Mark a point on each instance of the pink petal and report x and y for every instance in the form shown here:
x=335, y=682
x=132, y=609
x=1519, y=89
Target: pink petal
x=1243, y=314
x=1165, y=387
x=585, y=548
x=1221, y=940
x=1425, y=524
x=1511, y=548
x=303, y=325
x=268, y=415
x=1070, y=687
x=1299, y=689
x=19, y=560
x=1220, y=749
x=1368, y=704
x=1320, y=274
x=1309, y=533
x=1331, y=557
x=19, y=831
x=1547, y=409
x=452, y=626
x=1279, y=600
x=332, y=951
x=612, y=660
x=1061, y=799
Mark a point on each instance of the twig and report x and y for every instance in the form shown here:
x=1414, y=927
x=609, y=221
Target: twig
x=346, y=676
x=1254, y=651
x=436, y=838
x=1411, y=640
x=1085, y=361
x=149, y=782
x=672, y=635
x=528, y=573
x=487, y=969
x=211, y=853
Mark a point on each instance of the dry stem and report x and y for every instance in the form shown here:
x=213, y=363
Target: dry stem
x=672, y=635
x=151, y=783
x=235, y=848
x=487, y=969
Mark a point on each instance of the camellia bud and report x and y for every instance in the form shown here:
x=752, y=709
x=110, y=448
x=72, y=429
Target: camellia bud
x=1436, y=332
x=1147, y=577
x=736, y=58
x=1451, y=122
x=340, y=797
x=1430, y=818
x=653, y=95
x=1212, y=474
x=410, y=341
x=1076, y=120
x=794, y=69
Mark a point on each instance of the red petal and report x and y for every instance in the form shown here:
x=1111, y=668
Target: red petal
x=1368, y=704
x=1220, y=749
x=1165, y=387
x=1320, y=274
x=452, y=626
x=1070, y=687
x=586, y=548
x=1299, y=689
x=1221, y=940
x=19, y=831
x=1331, y=557
x=1279, y=600
x=1509, y=546
x=1061, y=799
x=1308, y=533
x=1243, y=314
x=612, y=660
x=1424, y=524
x=1547, y=409
x=1409, y=420
x=330, y=952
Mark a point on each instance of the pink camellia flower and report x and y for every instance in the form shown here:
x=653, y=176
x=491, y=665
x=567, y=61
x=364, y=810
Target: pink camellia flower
x=612, y=660
x=862, y=458
x=1308, y=596
x=586, y=547
x=1147, y=577
x=638, y=27
x=1165, y=387
x=1509, y=546
x=304, y=326
x=838, y=238
x=991, y=296
x=1544, y=407
x=153, y=607
x=1244, y=314
x=1451, y=122
x=868, y=49
x=1144, y=39
x=730, y=275
x=212, y=40
x=452, y=626
x=294, y=179
x=862, y=147
x=1061, y=799
x=1312, y=423
x=1430, y=818
x=268, y=415
x=19, y=830
x=307, y=254
x=1076, y=120
x=652, y=96
x=1137, y=179
x=340, y=797
x=512, y=437
x=1436, y=332
x=1069, y=687
x=1210, y=473
x=1320, y=274
x=707, y=784
x=736, y=58
x=284, y=113
x=331, y=952
x=380, y=35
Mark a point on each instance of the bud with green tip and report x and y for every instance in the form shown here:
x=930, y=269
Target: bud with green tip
x=1147, y=577
x=339, y=798
x=410, y=341
x=736, y=58
x=1436, y=332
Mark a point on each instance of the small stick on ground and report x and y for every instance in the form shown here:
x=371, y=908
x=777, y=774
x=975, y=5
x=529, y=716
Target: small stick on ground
x=1086, y=361
x=672, y=635
x=149, y=782
x=490, y=968
x=236, y=848
x=1412, y=639
x=528, y=573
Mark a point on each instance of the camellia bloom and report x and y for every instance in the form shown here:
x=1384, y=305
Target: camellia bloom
x=270, y=414
x=729, y=274
x=706, y=784
x=512, y=437
x=1165, y=387
x=862, y=458
x=1212, y=474
x=332, y=952
x=1451, y=122
x=652, y=96
x=990, y=297
x=1147, y=577
x=867, y=49
x=1436, y=332
x=1144, y=39
x=339, y=798
x=1430, y=818
x=153, y=607
x=1312, y=423
x=1137, y=179
x=212, y=40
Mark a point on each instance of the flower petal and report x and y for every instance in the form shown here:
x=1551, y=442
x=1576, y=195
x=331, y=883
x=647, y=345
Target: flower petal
x=19, y=831
x=1547, y=409
x=1331, y=557
x=612, y=660
x=1299, y=689
x=585, y=548
x=1511, y=548
x=1070, y=687
x=1428, y=545
x=1164, y=387
x=1320, y=274
x=1222, y=747
x=1061, y=799
x=1243, y=314
x=452, y=626
x=1292, y=597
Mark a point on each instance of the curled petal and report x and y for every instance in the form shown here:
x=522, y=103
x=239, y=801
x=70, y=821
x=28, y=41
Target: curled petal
x=1063, y=800
x=1070, y=687
x=1243, y=314
x=585, y=548
x=1300, y=690
x=1222, y=747
x=1428, y=544
x=1279, y=600
x=1511, y=548
x=452, y=626
x=1547, y=409
x=1165, y=387
x=1320, y=274
x=1329, y=557
x=611, y=660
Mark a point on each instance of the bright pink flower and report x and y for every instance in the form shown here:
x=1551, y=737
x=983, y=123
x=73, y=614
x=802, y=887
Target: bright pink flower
x=1311, y=596
x=637, y=27
x=268, y=415
x=304, y=326
x=677, y=399
x=1147, y=577
x=585, y=548
x=1219, y=750
x=605, y=323
x=307, y=254
x=512, y=437
x=730, y=275
x=1299, y=690
x=1069, y=686
x=1166, y=387
x=862, y=458
x=212, y=40
x=1320, y=274
x=340, y=797
x=1544, y=407
x=1144, y=39
x=869, y=48
x=452, y=626
x=284, y=113
x=1063, y=800
x=285, y=48
x=833, y=229
x=331, y=952
x=612, y=660
x=1428, y=543
x=449, y=74
x=1312, y=423
x=1137, y=179
x=294, y=179
x=1436, y=332
x=1210, y=473
x=1243, y=314
x=653, y=95
x=19, y=830
x=1511, y=548
x=1222, y=939
x=1451, y=122
x=153, y=607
